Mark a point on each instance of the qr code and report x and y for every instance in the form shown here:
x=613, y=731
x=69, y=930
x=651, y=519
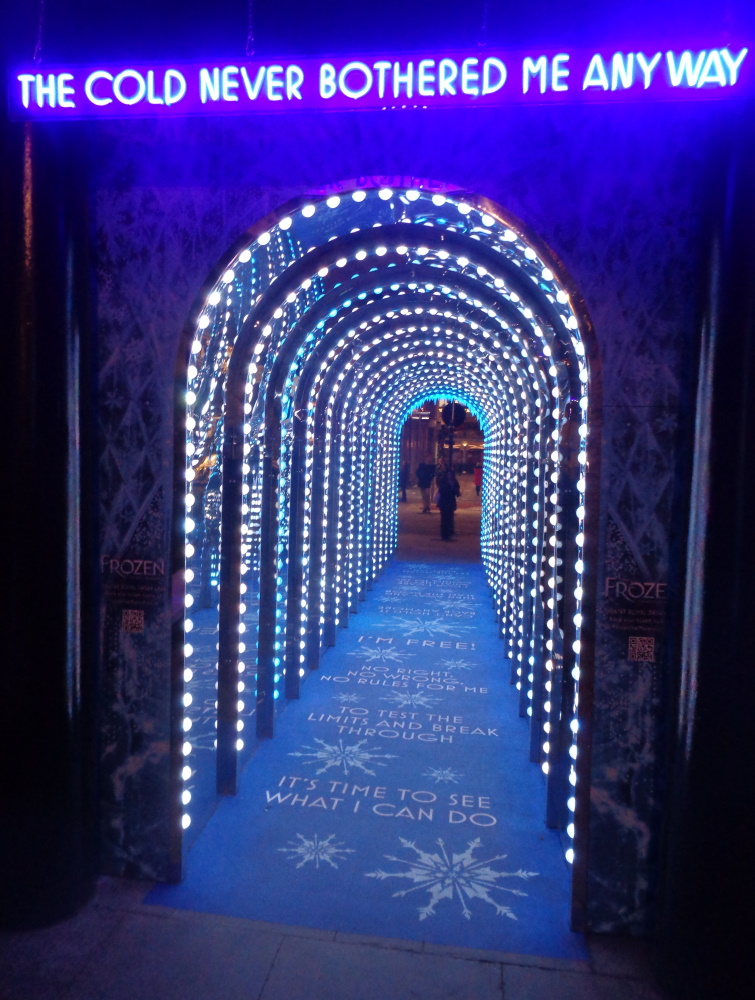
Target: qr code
x=132, y=621
x=641, y=648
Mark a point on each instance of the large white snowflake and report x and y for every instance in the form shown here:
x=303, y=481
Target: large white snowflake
x=443, y=775
x=445, y=877
x=457, y=664
x=402, y=699
x=327, y=850
x=426, y=626
x=337, y=755
x=347, y=699
x=380, y=654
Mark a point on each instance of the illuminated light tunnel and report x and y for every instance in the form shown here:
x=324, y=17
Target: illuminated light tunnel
x=329, y=324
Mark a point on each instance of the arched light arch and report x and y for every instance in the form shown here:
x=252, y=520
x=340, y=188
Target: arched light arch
x=326, y=326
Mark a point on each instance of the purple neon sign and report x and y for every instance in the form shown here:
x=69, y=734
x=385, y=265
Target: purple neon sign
x=483, y=79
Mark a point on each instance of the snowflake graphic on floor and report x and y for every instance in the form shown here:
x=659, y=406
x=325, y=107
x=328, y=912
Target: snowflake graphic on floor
x=380, y=654
x=426, y=626
x=460, y=876
x=337, y=755
x=443, y=775
x=328, y=850
x=459, y=664
x=403, y=699
x=347, y=699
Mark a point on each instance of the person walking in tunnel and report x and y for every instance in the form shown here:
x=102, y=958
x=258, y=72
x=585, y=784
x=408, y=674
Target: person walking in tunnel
x=477, y=478
x=403, y=480
x=448, y=491
x=425, y=476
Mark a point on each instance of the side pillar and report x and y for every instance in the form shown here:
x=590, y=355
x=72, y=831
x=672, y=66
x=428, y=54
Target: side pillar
x=705, y=934
x=47, y=745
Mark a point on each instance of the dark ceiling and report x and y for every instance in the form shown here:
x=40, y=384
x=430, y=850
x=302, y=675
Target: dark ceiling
x=82, y=30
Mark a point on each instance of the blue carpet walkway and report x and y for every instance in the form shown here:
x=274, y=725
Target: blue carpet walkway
x=397, y=798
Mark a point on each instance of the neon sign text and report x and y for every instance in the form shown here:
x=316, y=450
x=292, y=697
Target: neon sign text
x=454, y=80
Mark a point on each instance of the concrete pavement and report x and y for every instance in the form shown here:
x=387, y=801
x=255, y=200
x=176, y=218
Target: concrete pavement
x=118, y=948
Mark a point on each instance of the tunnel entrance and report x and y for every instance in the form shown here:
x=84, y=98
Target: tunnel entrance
x=330, y=323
